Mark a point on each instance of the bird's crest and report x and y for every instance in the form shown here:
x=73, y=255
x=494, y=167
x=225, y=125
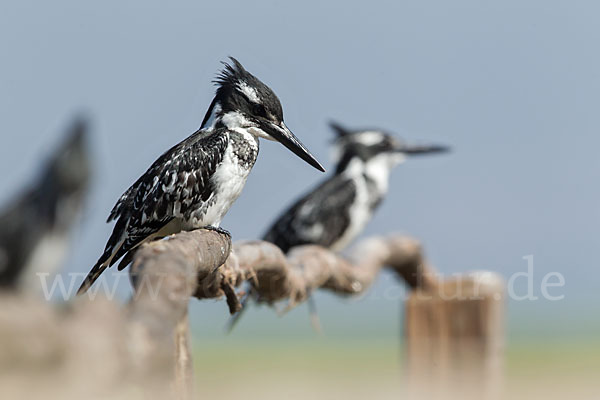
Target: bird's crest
x=231, y=74
x=339, y=130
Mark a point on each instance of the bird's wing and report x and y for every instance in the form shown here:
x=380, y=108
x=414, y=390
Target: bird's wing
x=124, y=201
x=321, y=217
x=175, y=185
x=181, y=171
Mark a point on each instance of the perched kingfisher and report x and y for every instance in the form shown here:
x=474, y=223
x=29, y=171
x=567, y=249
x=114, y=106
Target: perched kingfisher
x=336, y=211
x=35, y=226
x=194, y=183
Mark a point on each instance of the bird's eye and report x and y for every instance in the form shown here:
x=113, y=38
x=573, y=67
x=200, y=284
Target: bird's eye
x=259, y=110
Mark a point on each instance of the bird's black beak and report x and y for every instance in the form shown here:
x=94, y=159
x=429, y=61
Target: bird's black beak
x=422, y=149
x=283, y=135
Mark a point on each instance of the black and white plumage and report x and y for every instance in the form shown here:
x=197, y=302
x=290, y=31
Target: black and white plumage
x=194, y=183
x=35, y=226
x=336, y=211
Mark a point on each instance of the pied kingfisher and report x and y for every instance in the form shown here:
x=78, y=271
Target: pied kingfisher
x=336, y=211
x=35, y=226
x=194, y=183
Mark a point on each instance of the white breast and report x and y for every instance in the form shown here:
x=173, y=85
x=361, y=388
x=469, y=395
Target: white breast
x=361, y=211
x=228, y=180
x=45, y=261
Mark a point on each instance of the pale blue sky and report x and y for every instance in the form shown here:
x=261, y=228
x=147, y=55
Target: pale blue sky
x=513, y=86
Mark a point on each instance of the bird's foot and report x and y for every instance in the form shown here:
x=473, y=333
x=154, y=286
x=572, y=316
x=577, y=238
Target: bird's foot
x=218, y=230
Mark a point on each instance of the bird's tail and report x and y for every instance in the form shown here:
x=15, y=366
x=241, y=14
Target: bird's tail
x=92, y=276
x=111, y=253
x=116, y=247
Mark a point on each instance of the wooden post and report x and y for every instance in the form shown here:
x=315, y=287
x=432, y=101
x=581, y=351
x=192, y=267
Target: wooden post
x=454, y=338
x=184, y=370
x=165, y=275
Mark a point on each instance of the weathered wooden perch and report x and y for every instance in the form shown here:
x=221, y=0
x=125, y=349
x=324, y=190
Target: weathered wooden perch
x=312, y=267
x=146, y=344
x=166, y=273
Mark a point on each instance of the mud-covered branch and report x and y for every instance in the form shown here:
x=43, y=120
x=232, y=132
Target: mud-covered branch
x=306, y=268
x=167, y=272
x=107, y=348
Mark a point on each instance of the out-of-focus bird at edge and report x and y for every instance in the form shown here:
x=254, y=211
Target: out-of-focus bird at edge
x=335, y=212
x=193, y=184
x=34, y=227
